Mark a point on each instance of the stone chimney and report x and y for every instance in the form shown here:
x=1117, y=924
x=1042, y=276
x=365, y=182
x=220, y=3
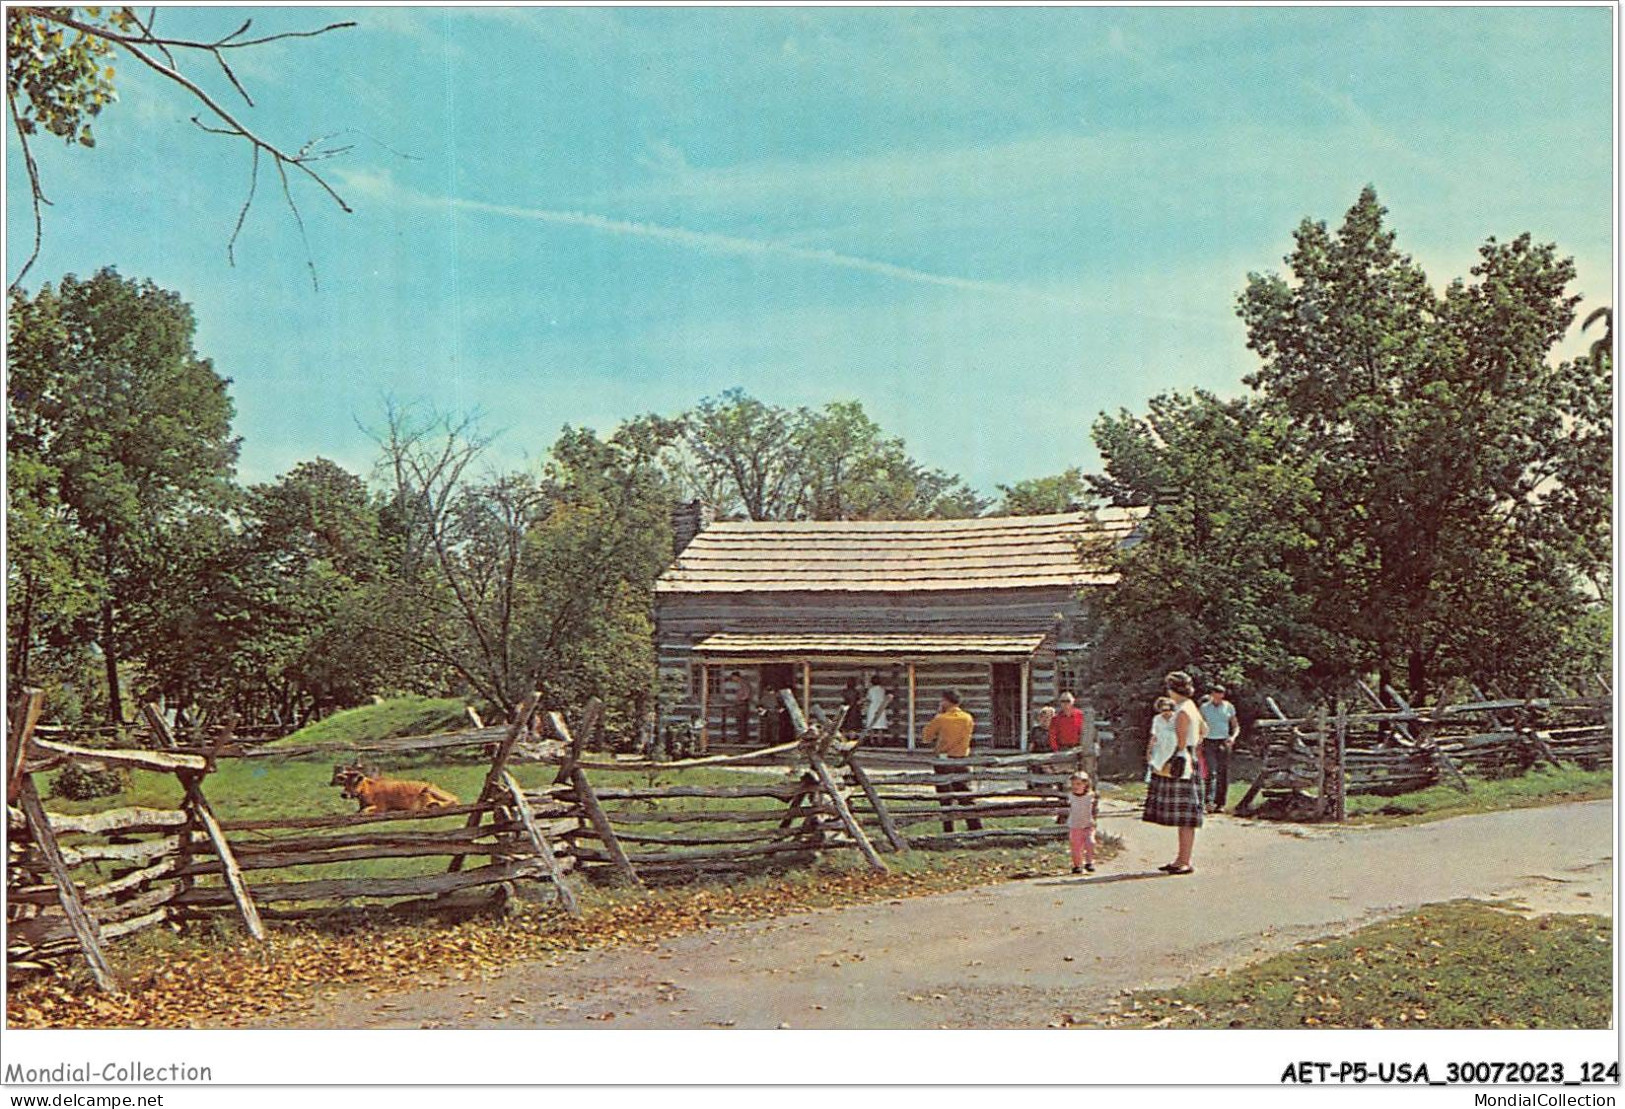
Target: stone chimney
x=687, y=521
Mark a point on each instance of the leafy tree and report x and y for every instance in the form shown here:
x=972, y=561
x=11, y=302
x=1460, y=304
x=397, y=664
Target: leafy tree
x=743, y=456
x=60, y=76
x=1066, y=491
x=123, y=431
x=1603, y=345
x=1211, y=588
x=593, y=561
x=769, y=463
x=1445, y=443
x=190, y=611
x=851, y=470
x=48, y=587
x=517, y=582
x=313, y=548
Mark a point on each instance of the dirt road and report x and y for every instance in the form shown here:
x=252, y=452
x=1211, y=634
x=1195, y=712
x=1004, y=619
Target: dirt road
x=1020, y=954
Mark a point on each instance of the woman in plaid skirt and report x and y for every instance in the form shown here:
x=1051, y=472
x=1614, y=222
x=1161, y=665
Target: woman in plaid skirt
x=1173, y=797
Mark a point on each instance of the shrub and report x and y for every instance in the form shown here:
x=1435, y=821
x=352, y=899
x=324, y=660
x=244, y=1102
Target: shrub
x=78, y=782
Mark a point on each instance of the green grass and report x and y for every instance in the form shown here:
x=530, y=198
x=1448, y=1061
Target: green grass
x=1135, y=791
x=1543, y=786
x=1460, y=964
x=400, y=716
x=271, y=788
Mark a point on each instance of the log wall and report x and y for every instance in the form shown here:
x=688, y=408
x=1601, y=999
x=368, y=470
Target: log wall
x=682, y=620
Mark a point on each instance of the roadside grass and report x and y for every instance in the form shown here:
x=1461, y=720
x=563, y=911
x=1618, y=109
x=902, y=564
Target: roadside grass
x=206, y=974
x=1458, y=964
x=1542, y=786
x=1134, y=792
x=399, y=716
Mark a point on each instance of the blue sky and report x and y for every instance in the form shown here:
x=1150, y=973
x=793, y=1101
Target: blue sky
x=988, y=225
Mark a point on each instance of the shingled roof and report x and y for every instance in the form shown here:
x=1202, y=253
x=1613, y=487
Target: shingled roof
x=992, y=552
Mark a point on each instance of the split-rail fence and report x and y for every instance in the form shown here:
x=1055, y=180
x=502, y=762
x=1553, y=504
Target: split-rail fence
x=1312, y=764
x=791, y=803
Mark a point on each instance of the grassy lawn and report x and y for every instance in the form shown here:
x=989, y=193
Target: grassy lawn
x=399, y=716
x=1543, y=786
x=1135, y=791
x=1461, y=964
x=269, y=788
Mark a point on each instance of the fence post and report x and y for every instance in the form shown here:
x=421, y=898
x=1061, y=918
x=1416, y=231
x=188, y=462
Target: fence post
x=25, y=715
x=887, y=825
x=1245, y=805
x=85, y=928
x=853, y=829
x=494, y=788
x=198, y=809
x=539, y=843
x=1445, y=762
x=587, y=798
x=228, y=861
x=1337, y=780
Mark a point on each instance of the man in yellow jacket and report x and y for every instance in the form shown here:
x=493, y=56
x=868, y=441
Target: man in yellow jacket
x=949, y=734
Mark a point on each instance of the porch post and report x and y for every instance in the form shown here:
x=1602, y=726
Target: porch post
x=1026, y=674
x=806, y=690
x=911, y=706
x=705, y=704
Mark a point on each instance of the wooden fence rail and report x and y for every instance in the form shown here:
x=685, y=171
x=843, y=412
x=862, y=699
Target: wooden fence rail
x=1314, y=762
x=170, y=863
x=77, y=882
x=1026, y=795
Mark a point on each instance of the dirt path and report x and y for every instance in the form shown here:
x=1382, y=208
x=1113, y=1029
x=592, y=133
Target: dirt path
x=1022, y=953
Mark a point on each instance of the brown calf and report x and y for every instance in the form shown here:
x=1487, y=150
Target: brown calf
x=376, y=794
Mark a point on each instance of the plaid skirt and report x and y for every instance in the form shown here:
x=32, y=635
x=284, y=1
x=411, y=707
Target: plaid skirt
x=1174, y=802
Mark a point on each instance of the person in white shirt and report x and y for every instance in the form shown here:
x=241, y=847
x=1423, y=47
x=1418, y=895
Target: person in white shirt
x=877, y=706
x=1173, y=796
x=1159, y=748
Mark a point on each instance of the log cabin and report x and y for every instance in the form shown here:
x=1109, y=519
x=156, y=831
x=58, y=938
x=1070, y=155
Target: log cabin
x=990, y=607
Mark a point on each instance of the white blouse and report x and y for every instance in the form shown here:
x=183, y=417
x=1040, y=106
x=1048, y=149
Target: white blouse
x=1164, y=738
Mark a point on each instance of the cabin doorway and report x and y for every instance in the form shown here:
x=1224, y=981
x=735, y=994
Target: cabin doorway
x=1007, y=704
x=771, y=677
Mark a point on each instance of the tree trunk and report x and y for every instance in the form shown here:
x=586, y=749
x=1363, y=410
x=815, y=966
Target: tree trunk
x=19, y=650
x=115, y=702
x=1416, y=670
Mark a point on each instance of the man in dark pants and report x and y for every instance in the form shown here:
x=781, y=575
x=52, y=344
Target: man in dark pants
x=1222, y=730
x=949, y=735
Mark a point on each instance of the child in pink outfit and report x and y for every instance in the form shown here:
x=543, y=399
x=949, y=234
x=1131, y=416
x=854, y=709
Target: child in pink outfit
x=1084, y=810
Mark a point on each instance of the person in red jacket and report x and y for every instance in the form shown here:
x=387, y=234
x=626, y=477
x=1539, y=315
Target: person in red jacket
x=1070, y=728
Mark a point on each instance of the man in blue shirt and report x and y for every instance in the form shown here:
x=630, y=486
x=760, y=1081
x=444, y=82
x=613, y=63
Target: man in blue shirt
x=1222, y=731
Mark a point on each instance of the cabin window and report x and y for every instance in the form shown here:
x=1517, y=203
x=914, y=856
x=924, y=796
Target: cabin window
x=1069, y=670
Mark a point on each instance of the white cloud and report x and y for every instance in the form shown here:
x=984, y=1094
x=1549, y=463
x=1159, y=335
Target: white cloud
x=380, y=186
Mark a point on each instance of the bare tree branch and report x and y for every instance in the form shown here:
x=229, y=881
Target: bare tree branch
x=231, y=121
x=287, y=194
x=159, y=53
x=152, y=17
x=248, y=201
x=36, y=193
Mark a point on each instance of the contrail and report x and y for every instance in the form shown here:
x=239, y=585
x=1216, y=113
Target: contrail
x=716, y=243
